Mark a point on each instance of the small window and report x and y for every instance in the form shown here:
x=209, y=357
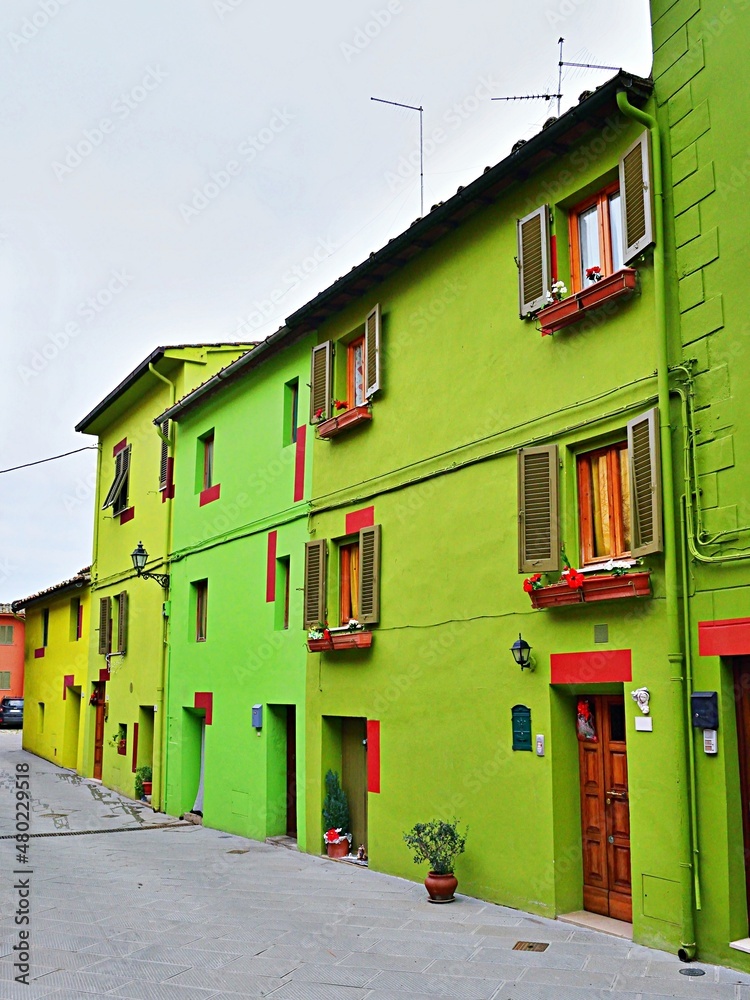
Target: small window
x=348, y=582
x=76, y=619
x=6, y=635
x=355, y=373
x=604, y=503
x=282, y=593
x=45, y=626
x=596, y=237
x=291, y=411
x=4, y=680
x=201, y=609
x=117, y=497
x=204, y=466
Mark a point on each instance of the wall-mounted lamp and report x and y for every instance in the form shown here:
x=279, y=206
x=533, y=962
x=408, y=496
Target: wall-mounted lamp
x=521, y=651
x=140, y=557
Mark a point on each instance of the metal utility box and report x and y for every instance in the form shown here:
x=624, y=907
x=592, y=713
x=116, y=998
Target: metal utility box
x=705, y=709
x=257, y=716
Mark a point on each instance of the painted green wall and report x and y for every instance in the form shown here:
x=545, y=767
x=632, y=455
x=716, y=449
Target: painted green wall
x=248, y=657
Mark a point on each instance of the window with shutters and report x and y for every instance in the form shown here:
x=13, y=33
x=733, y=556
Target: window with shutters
x=206, y=485
x=164, y=459
x=76, y=619
x=117, y=497
x=200, y=603
x=595, y=233
x=357, y=575
x=6, y=635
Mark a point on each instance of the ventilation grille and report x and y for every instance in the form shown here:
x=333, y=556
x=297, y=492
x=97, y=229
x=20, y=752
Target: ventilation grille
x=530, y=946
x=601, y=633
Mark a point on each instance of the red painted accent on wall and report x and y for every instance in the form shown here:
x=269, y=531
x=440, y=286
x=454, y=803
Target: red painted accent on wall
x=68, y=681
x=729, y=637
x=205, y=699
x=120, y=446
x=103, y=675
x=127, y=515
x=39, y=653
x=209, y=495
x=364, y=518
x=271, y=566
x=135, y=746
x=168, y=492
x=299, y=463
x=598, y=667
x=373, y=755
x=553, y=257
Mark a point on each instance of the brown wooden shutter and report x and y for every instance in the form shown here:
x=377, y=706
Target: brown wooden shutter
x=534, y=279
x=320, y=381
x=538, y=537
x=636, y=198
x=369, y=575
x=372, y=351
x=315, y=583
x=644, y=466
x=105, y=618
x=122, y=622
x=164, y=456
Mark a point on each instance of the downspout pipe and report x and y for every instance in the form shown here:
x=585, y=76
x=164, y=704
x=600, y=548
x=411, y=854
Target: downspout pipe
x=161, y=724
x=687, y=950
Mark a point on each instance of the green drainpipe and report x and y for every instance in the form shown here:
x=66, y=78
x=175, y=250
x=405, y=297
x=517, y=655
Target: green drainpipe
x=687, y=948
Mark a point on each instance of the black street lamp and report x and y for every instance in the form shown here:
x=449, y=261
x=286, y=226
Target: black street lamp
x=140, y=557
x=521, y=651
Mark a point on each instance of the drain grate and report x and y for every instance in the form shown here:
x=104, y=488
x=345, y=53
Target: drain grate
x=530, y=946
x=113, y=829
x=238, y=852
x=692, y=972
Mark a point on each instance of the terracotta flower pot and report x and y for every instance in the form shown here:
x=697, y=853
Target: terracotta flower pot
x=441, y=888
x=146, y=787
x=338, y=850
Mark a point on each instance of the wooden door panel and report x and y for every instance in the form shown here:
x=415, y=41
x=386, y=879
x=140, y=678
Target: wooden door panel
x=742, y=705
x=354, y=776
x=99, y=732
x=618, y=769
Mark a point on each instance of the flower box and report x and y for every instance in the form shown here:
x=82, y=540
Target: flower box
x=343, y=421
x=341, y=640
x=603, y=587
x=558, y=315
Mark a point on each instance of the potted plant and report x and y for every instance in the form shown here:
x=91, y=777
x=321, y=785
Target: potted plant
x=143, y=778
x=439, y=843
x=336, y=818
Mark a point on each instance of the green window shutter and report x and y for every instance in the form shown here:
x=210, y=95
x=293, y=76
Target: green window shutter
x=164, y=457
x=315, y=583
x=4, y=680
x=105, y=617
x=644, y=467
x=372, y=351
x=320, y=381
x=538, y=536
x=534, y=280
x=636, y=198
x=369, y=575
x=122, y=622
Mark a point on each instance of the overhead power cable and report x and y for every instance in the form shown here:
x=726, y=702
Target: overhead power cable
x=52, y=458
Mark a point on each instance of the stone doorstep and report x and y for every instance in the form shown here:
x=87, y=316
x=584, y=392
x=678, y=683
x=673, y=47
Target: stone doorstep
x=596, y=922
x=742, y=945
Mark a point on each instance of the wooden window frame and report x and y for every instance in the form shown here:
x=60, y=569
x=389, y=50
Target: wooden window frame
x=585, y=506
x=601, y=200
x=345, y=547
x=201, y=610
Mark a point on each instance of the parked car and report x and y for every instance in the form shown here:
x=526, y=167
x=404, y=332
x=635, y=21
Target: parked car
x=11, y=712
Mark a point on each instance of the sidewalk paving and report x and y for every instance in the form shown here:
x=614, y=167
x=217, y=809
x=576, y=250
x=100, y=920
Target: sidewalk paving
x=186, y=913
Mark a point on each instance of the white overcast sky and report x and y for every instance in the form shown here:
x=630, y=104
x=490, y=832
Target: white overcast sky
x=115, y=115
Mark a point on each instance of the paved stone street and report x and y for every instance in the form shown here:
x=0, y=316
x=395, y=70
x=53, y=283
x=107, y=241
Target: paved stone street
x=184, y=913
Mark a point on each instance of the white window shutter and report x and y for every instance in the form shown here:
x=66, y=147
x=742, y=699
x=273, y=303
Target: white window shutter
x=644, y=468
x=320, y=382
x=534, y=279
x=372, y=351
x=637, y=198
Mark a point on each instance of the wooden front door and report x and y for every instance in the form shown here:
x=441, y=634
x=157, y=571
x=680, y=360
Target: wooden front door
x=291, y=771
x=605, y=811
x=742, y=701
x=99, y=730
x=354, y=776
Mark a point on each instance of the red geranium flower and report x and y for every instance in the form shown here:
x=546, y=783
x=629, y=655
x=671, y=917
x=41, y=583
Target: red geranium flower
x=331, y=836
x=574, y=579
x=340, y=404
x=533, y=583
x=319, y=413
x=593, y=273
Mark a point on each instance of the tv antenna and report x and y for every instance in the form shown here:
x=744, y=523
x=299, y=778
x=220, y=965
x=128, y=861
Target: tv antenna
x=558, y=95
x=420, y=109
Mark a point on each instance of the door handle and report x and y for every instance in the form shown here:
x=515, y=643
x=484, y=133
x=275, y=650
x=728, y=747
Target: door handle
x=621, y=796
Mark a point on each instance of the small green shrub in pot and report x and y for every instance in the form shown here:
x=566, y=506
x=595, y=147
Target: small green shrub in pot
x=141, y=775
x=437, y=842
x=335, y=804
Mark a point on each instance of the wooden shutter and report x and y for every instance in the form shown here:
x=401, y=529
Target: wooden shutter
x=122, y=622
x=533, y=261
x=105, y=618
x=369, y=575
x=644, y=467
x=636, y=198
x=164, y=456
x=315, y=583
x=372, y=351
x=121, y=472
x=320, y=382
x=538, y=540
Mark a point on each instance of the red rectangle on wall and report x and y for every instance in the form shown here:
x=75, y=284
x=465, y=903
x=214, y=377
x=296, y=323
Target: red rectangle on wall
x=120, y=446
x=68, y=681
x=135, y=746
x=299, y=463
x=599, y=667
x=271, y=566
x=39, y=653
x=127, y=515
x=364, y=518
x=209, y=495
x=373, y=755
x=205, y=700
x=729, y=637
